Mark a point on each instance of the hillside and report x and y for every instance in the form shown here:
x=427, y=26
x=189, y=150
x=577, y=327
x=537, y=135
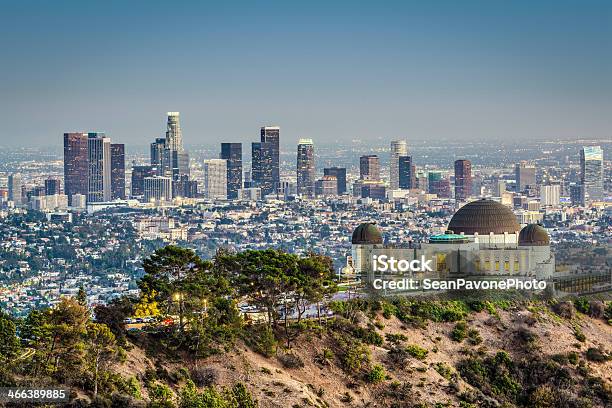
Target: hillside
x=193, y=346
x=529, y=334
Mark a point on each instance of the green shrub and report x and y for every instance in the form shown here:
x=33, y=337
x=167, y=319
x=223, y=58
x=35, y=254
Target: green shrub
x=395, y=338
x=543, y=397
x=596, y=355
x=608, y=312
x=241, y=397
x=476, y=305
x=579, y=335
x=492, y=373
x=388, y=310
x=261, y=339
x=376, y=374
x=291, y=360
x=474, y=336
x=565, y=309
x=460, y=332
x=353, y=354
x=325, y=357
x=582, y=305
x=369, y=336
x=417, y=351
x=444, y=370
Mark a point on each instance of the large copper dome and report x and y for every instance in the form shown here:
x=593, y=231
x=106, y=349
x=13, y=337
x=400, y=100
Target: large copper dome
x=533, y=235
x=366, y=234
x=484, y=216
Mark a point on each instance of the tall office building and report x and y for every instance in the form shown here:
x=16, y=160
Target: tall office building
x=52, y=187
x=369, y=168
x=438, y=183
x=75, y=164
x=232, y=152
x=99, y=170
x=406, y=173
x=376, y=191
x=399, y=148
x=326, y=186
x=157, y=152
x=15, y=189
x=591, y=171
x=174, y=135
x=261, y=167
x=157, y=188
x=139, y=173
x=340, y=174
x=168, y=154
x=463, y=179
x=271, y=136
x=179, y=160
x=117, y=171
x=215, y=179
x=499, y=187
x=525, y=175
x=550, y=195
x=577, y=195
x=185, y=187
x=305, y=168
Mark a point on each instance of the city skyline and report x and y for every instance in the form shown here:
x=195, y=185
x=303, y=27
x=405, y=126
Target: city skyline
x=369, y=72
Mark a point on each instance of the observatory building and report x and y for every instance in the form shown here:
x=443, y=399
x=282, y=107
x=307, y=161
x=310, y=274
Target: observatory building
x=483, y=239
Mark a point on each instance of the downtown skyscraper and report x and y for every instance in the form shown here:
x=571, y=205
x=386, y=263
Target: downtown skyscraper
x=399, y=148
x=168, y=154
x=525, y=176
x=305, y=168
x=99, y=168
x=215, y=179
x=265, y=160
x=76, y=164
x=15, y=189
x=369, y=168
x=340, y=174
x=232, y=152
x=591, y=172
x=406, y=173
x=463, y=179
x=117, y=171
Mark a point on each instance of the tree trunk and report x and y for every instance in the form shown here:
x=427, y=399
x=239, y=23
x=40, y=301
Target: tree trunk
x=96, y=365
x=286, y=324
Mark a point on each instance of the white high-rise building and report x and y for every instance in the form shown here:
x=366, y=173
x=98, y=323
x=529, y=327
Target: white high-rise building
x=591, y=168
x=398, y=148
x=174, y=135
x=157, y=188
x=549, y=195
x=215, y=179
x=15, y=189
x=99, y=168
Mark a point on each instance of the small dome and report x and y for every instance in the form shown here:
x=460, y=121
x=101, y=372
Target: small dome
x=366, y=234
x=484, y=217
x=533, y=235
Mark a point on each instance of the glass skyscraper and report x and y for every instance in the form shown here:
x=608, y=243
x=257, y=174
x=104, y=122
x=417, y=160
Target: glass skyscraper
x=463, y=179
x=591, y=171
x=305, y=168
x=232, y=152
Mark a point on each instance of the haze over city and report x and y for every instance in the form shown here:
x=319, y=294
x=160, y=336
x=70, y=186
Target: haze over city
x=479, y=70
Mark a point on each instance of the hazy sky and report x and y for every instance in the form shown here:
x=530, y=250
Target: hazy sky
x=328, y=70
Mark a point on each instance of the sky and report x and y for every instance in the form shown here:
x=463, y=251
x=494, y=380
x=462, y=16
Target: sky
x=333, y=71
